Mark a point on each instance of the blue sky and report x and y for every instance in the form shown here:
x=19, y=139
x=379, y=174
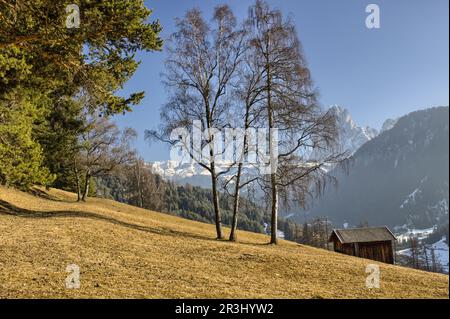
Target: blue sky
x=375, y=73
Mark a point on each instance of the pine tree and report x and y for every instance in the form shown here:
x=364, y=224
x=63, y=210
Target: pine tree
x=21, y=157
x=53, y=63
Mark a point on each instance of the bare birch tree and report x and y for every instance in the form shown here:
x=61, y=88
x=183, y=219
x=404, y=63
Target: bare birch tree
x=201, y=65
x=306, y=133
x=247, y=98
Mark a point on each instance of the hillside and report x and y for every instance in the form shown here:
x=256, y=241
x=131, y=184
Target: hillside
x=399, y=177
x=187, y=201
x=127, y=252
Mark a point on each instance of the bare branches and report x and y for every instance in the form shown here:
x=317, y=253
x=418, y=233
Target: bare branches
x=201, y=65
x=306, y=134
x=220, y=76
x=103, y=148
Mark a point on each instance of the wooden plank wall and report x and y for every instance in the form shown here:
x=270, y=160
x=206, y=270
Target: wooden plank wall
x=379, y=251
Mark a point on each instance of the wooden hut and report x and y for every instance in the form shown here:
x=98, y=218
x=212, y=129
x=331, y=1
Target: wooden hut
x=376, y=243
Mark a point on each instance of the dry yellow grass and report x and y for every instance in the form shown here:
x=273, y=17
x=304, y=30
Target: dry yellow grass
x=126, y=252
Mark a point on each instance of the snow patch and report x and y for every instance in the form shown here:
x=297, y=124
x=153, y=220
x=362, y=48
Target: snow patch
x=440, y=251
x=411, y=198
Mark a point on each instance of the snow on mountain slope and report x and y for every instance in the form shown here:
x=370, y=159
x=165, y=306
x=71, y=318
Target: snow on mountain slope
x=411, y=198
x=171, y=169
x=399, y=177
x=351, y=136
x=406, y=234
x=388, y=124
x=191, y=173
x=440, y=250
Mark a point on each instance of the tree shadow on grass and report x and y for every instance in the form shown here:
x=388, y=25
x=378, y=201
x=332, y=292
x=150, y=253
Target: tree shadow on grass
x=12, y=210
x=43, y=194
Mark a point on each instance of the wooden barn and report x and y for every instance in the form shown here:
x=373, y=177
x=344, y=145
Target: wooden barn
x=376, y=243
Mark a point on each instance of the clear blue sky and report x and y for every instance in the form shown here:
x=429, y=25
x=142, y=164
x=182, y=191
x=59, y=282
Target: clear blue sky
x=375, y=73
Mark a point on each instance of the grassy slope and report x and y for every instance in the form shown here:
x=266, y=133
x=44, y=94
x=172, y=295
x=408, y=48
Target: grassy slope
x=128, y=252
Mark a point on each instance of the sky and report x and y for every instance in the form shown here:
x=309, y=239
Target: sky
x=376, y=74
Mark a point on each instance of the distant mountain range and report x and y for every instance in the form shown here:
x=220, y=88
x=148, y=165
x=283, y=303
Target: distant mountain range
x=351, y=138
x=399, y=177
x=396, y=176
x=182, y=174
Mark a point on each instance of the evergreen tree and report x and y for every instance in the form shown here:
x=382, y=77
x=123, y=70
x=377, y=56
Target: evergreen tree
x=51, y=64
x=21, y=157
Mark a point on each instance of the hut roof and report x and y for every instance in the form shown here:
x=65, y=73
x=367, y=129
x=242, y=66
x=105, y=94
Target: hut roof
x=362, y=235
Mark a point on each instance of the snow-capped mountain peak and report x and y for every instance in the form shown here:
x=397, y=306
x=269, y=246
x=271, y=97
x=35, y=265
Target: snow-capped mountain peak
x=351, y=136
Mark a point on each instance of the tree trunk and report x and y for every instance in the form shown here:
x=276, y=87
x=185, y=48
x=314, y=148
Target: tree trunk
x=77, y=179
x=212, y=166
x=274, y=212
x=233, y=235
x=138, y=180
x=86, y=187
x=426, y=257
x=433, y=260
x=273, y=178
x=216, y=202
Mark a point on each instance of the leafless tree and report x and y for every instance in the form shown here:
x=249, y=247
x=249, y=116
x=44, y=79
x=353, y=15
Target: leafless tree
x=415, y=252
x=146, y=189
x=306, y=133
x=200, y=68
x=103, y=148
x=435, y=263
x=425, y=257
x=247, y=97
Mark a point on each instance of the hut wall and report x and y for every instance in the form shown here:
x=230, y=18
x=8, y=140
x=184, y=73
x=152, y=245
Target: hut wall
x=347, y=249
x=379, y=251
